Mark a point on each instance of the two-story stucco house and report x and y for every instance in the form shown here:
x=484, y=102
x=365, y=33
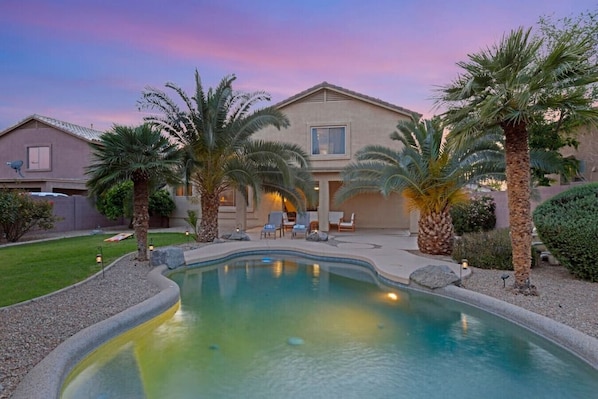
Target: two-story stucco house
x=53, y=155
x=330, y=123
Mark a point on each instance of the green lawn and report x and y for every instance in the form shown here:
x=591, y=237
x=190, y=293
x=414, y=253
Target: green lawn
x=31, y=270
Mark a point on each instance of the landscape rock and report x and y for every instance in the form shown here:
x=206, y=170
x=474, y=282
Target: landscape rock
x=236, y=236
x=434, y=276
x=317, y=236
x=172, y=257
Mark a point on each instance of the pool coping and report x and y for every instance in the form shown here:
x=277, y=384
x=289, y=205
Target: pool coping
x=46, y=379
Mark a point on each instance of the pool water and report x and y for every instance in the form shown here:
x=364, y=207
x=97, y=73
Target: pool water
x=287, y=327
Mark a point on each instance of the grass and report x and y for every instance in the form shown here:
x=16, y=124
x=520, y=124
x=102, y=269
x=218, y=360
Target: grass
x=31, y=270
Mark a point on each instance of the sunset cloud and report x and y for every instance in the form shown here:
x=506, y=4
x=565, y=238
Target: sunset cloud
x=88, y=62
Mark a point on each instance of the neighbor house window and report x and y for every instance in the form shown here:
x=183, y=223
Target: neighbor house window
x=328, y=140
x=227, y=198
x=38, y=158
x=183, y=190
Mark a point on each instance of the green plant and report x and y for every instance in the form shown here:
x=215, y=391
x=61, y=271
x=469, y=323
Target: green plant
x=19, y=213
x=215, y=130
x=512, y=85
x=478, y=214
x=568, y=225
x=117, y=201
x=137, y=154
x=431, y=172
x=192, y=220
x=161, y=203
x=486, y=249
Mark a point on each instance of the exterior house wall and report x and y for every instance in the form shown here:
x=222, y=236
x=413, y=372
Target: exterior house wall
x=586, y=152
x=367, y=121
x=69, y=155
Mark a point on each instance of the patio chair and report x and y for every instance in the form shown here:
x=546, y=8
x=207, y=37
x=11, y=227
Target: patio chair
x=301, y=227
x=286, y=223
x=334, y=218
x=269, y=231
x=347, y=226
x=275, y=218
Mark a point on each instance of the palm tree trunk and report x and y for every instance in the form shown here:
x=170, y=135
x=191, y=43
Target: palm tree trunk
x=518, y=194
x=435, y=236
x=208, y=227
x=141, y=216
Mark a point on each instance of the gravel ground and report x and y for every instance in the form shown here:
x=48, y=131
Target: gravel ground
x=30, y=331
x=561, y=297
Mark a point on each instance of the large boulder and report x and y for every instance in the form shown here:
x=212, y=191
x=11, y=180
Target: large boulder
x=237, y=236
x=434, y=276
x=172, y=257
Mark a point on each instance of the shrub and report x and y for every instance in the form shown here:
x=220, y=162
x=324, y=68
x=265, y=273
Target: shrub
x=192, y=219
x=19, y=213
x=117, y=202
x=486, y=250
x=161, y=203
x=478, y=214
x=568, y=225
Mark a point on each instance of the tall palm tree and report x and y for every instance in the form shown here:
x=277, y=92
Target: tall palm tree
x=512, y=85
x=215, y=132
x=431, y=173
x=138, y=154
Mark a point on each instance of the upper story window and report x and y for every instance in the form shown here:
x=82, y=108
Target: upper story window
x=38, y=158
x=328, y=140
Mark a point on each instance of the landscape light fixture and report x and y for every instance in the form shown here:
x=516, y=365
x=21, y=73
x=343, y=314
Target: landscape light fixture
x=100, y=259
x=151, y=245
x=504, y=279
x=464, y=266
x=187, y=235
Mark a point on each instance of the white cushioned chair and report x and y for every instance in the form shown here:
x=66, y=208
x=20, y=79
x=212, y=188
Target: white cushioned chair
x=347, y=226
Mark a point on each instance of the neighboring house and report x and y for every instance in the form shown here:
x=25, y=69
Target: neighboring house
x=331, y=123
x=586, y=153
x=48, y=157
x=52, y=155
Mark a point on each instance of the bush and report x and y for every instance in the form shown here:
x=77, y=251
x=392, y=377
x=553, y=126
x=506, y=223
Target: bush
x=478, y=214
x=486, y=250
x=117, y=202
x=568, y=225
x=19, y=213
x=161, y=203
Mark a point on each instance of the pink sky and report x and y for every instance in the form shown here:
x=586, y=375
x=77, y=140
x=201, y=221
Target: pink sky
x=87, y=62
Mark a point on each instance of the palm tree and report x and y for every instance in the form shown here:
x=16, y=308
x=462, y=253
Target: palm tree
x=431, y=173
x=214, y=130
x=512, y=85
x=138, y=154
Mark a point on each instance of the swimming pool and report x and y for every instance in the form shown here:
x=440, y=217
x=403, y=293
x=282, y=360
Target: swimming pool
x=257, y=327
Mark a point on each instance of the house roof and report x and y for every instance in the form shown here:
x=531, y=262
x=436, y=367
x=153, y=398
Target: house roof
x=70, y=128
x=346, y=92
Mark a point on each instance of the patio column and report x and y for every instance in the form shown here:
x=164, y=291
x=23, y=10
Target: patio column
x=324, y=206
x=240, y=211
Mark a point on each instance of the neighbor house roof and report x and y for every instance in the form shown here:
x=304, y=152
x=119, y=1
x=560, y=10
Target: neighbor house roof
x=346, y=92
x=70, y=128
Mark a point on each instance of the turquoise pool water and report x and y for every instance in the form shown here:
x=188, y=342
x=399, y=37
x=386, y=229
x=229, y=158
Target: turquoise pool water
x=288, y=327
